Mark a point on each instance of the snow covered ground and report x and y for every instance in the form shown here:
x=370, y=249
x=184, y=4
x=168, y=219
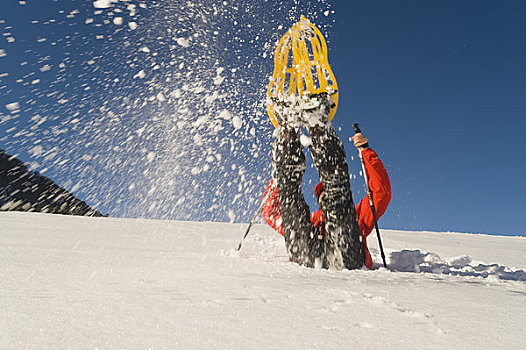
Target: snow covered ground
x=75, y=282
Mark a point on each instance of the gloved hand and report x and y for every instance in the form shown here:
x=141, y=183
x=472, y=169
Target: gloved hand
x=360, y=141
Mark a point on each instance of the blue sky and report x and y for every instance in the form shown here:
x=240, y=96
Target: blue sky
x=438, y=87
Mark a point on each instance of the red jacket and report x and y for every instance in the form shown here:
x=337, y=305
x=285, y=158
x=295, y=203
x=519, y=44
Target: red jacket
x=381, y=191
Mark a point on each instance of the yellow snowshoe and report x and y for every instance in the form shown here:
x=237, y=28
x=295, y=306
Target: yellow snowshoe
x=300, y=77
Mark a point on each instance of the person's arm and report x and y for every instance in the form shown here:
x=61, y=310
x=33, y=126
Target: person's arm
x=271, y=211
x=380, y=188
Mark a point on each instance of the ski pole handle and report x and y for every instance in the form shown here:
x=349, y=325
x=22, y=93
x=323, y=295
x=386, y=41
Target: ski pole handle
x=356, y=128
x=358, y=131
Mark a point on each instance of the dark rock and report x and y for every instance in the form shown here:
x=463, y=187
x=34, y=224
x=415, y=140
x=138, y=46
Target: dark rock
x=24, y=190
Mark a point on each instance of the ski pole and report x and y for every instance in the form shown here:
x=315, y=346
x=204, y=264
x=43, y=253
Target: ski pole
x=370, y=195
x=263, y=202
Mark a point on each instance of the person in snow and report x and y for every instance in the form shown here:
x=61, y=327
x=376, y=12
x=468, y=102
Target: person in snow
x=335, y=236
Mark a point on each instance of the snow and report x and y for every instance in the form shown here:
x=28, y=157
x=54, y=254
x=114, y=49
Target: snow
x=3, y=53
x=305, y=140
x=74, y=282
x=102, y=4
x=36, y=151
x=140, y=75
x=183, y=42
x=45, y=68
x=160, y=97
x=152, y=76
x=237, y=122
x=150, y=157
x=12, y=106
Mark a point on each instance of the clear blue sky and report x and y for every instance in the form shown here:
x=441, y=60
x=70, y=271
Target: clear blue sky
x=439, y=88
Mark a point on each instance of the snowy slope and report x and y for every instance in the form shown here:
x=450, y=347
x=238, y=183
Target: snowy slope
x=74, y=282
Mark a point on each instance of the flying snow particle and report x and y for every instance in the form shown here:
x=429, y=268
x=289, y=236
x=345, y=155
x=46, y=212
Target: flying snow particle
x=36, y=81
x=150, y=157
x=2, y=53
x=36, y=151
x=225, y=114
x=231, y=215
x=140, y=75
x=160, y=97
x=183, y=42
x=76, y=187
x=202, y=120
x=131, y=8
x=45, y=68
x=117, y=21
x=12, y=106
x=140, y=131
x=38, y=120
x=198, y=139
x=33, y=166
x=180, y=201
x=132, y=25
x=176, y=94
x=326, y=13
x=305, y=141
x=102, y=4
x=211, y=98
x=237, y=123
x=218, y=80
x=145, y=49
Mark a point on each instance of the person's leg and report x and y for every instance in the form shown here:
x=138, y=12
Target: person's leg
x=288, y=161
x=343, y=245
